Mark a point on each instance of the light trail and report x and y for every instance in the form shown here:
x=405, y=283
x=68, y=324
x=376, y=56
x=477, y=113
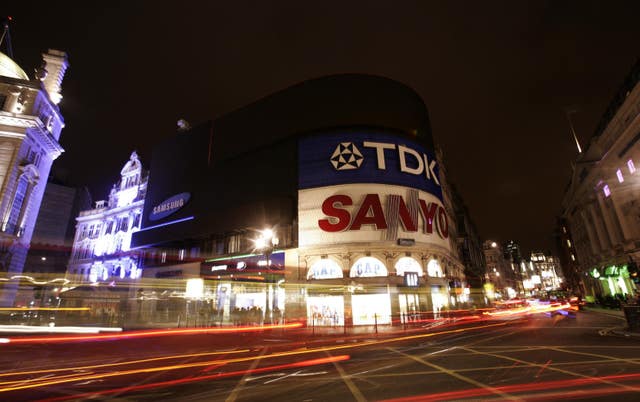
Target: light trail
x=130, y=362
x=520, y=388
x=305, y=363
x=83, y=377
x=147, y=333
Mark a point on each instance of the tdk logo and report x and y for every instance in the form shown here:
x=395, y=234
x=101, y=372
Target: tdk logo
x=347, y=157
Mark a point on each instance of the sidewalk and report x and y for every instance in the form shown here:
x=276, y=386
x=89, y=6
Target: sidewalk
x=618, y=331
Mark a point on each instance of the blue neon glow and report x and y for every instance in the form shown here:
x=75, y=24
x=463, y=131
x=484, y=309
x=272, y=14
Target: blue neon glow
x=188, y=218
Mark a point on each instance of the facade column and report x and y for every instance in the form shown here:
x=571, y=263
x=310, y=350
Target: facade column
x=627, y=231
x=599, y=228
x=593, y=242
x=608, y=219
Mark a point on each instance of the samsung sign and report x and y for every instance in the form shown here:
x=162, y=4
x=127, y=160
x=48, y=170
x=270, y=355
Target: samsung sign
x=169, y=206
x=343, y=158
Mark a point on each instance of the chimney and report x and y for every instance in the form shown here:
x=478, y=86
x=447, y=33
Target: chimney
x=55, y=65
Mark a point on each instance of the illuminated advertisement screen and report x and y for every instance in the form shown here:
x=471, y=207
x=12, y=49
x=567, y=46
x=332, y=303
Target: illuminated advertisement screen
x=367, y=187
x=366, y=157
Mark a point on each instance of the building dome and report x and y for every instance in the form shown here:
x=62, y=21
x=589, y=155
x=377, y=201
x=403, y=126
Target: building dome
x=9, y=68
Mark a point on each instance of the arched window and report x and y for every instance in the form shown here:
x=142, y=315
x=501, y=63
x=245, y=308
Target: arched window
x=367, y=267
x=434, y=269
x=18, y=202
x=408, y=264
x=324, y=269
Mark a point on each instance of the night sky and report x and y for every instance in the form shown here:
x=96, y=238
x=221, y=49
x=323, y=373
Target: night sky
x=496, y=76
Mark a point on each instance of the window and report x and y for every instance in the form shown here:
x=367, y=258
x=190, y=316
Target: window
x=573, y=257
x=324, y=269
x=606, y=190
x=434, y=269
x=18, y=201
x=163, y=257
x=408, y=264
x=568, y=243
x=631, y=166
x=619, y=174
x=367, y=267
x=181, y=254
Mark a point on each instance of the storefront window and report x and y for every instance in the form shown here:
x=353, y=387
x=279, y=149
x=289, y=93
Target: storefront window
x=408, y=264
x=367, y=267
x=325, y=269
x=325, y=310
x=434, y=269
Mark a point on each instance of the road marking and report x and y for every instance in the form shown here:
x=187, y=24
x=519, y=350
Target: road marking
x=552, y=369
x=347, y=380
x=234, y=394
x=458, y=376
x=610, y=358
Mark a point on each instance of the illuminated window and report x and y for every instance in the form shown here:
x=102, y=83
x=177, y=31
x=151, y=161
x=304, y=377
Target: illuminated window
x=568, y=243
x=18, y=202
x=408, y=264
x=631, y=166
x=573, y=257
x=434, y=269
x=325, y=269
x=367, y=267
x=619, y=174
x=163, y=257
x=181, y=254
x=606, y=190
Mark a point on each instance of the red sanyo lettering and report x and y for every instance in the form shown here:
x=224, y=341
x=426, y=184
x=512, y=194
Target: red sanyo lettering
x=371, y=204
x=370, y=212
x=330, y=209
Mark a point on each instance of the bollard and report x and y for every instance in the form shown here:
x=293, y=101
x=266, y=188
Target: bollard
x=375, y=320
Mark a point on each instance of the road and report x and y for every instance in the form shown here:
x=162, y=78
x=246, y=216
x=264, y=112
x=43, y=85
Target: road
x=521, y=358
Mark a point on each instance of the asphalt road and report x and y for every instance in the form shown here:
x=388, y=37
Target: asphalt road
x=528, y=358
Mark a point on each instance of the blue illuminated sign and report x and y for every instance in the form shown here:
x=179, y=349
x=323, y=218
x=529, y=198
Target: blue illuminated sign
x=366, y=157
x=169, y=206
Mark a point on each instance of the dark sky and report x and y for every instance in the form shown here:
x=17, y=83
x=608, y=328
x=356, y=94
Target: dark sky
x=496, y=76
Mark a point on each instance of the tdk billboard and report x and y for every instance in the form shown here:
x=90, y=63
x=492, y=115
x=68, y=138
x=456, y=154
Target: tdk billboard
x=368, y=186
x=360, y=157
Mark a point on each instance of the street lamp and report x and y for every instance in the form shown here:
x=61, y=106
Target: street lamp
x=266, y=243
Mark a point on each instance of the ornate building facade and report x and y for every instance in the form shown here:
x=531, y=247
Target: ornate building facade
x=30, y=127
x=101, y=248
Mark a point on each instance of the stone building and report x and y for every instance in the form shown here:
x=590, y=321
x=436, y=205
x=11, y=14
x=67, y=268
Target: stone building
x=601, y=206
x=30, y=127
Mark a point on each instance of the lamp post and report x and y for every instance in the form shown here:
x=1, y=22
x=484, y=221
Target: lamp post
x=266, y=242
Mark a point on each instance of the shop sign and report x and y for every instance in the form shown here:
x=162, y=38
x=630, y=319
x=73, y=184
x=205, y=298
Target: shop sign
x=169, y=206
x=367, y=157
x=371, y=213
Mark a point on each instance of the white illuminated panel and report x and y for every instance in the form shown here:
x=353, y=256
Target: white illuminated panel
x=619, y=175
x=310, y=204
x=371, y=309
x=195, y=288
x=325, y=310
x=606, y=190
x=631, y=166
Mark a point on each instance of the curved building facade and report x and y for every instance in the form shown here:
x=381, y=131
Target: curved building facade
x=324, y=200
